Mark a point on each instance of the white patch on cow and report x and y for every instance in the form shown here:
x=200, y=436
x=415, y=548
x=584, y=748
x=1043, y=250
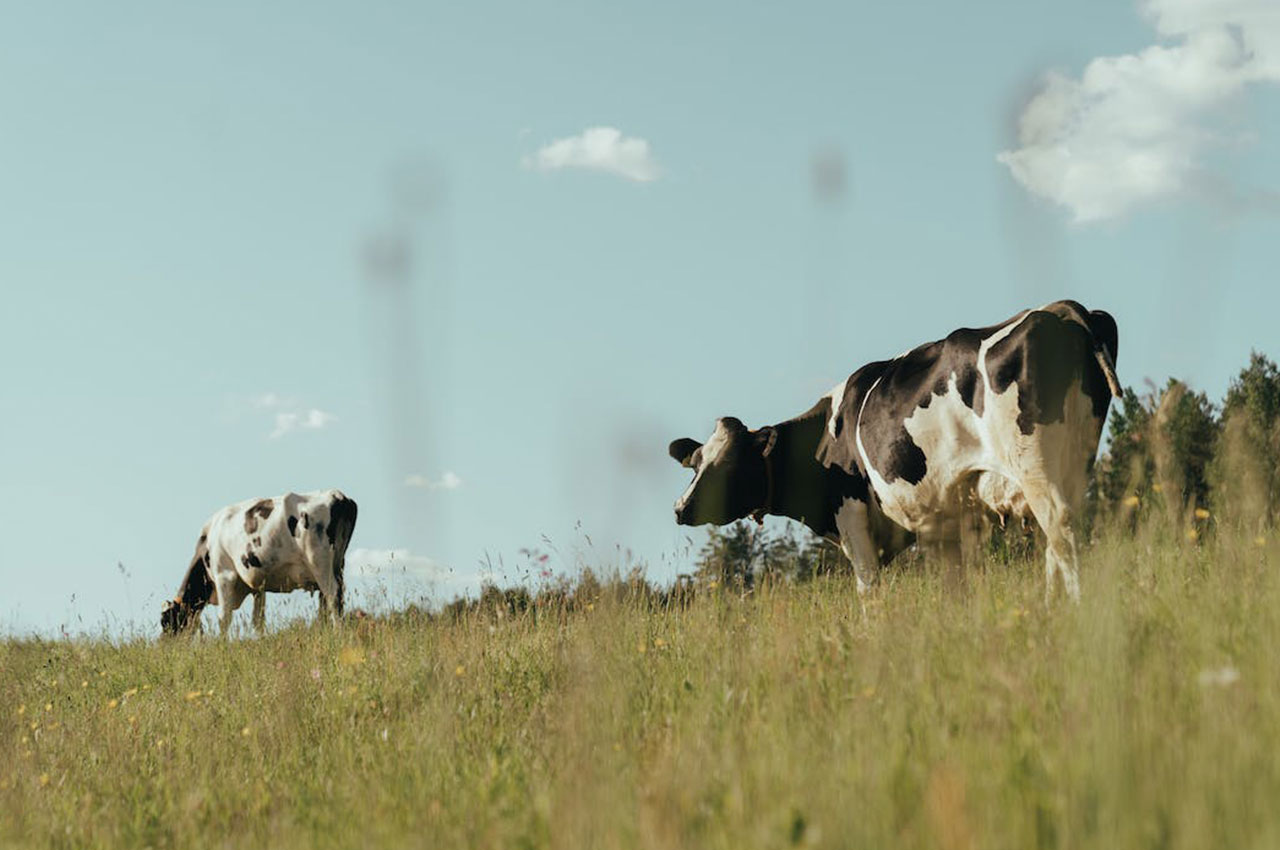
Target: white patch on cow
x=950, y=435
x=837, y=396
x=711, y=451
x=986, y=344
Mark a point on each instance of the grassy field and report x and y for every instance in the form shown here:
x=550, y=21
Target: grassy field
x=1147, y=716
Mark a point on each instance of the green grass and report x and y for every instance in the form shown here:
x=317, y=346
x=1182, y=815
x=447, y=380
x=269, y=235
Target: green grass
x=935, y=718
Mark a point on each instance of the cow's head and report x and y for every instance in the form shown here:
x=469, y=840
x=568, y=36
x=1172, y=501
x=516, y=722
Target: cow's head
x=177, y=617
x=731, y=476
x=182, y=613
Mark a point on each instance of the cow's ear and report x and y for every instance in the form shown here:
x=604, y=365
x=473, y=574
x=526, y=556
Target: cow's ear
x=766, y=439
x=682, y=450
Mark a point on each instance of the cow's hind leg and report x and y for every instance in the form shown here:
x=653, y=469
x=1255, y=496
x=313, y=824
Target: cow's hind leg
x=1054, y=517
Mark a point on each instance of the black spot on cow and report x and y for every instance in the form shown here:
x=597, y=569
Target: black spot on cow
x=293, y=526
x=1047, y=356
x=306, y=521
x=342, y=520
x=257, y=541
x=969, y=385
x=250, y=560
x=319, y=529
x=256, y=514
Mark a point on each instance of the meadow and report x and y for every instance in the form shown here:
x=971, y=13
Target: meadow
x=1147, y=716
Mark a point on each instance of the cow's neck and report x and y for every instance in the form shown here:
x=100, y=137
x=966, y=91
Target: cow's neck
x=799, y=486
x=197, y=586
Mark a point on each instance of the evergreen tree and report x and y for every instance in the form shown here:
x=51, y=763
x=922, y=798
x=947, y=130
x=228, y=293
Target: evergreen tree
x=1246, y=471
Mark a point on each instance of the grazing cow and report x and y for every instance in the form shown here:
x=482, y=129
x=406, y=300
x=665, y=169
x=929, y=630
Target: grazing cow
x=1007, y=416
x=291, y=542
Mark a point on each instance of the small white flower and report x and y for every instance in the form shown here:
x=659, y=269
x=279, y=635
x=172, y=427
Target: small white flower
x=1221, y=677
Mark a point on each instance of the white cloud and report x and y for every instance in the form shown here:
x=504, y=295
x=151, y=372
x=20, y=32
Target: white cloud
x=268, y=400
x=1135, y=128
x=598, y=149
x=291, y=420
x=447, y=481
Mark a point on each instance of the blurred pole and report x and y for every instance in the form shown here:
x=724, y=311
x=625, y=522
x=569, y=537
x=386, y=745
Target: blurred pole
x=409, y=285
x=828, y=276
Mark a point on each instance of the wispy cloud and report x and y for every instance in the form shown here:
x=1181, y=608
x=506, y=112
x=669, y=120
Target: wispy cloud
x=447, y=481
x=289, y=416
x=598, y=149
x=1136, y=128
x=311, y=420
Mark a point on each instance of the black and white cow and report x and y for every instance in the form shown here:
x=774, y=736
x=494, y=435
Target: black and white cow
x=1008, y=416
x=297, y=541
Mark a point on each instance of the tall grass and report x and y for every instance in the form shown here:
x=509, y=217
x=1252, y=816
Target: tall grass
x=1146, y=716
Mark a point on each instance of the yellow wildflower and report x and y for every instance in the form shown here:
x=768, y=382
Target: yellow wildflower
x=1131, y=502
x=22, y=709
x=1159, y=488
x=1201, y=513
x=85, y=683
x=459, y=670
x=1259, y=541
x=1193, y=535
x=129, y=693
x=244, y=733
x=48, y=706
x=191, y=695
x=112, y=703
x=44, y=780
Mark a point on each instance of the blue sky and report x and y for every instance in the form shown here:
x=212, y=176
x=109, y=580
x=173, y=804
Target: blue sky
x=192, y=196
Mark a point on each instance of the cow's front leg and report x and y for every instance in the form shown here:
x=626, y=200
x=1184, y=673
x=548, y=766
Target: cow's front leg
x=330, y=597
x=230, y=595
x=854, y=527
x=259, y=611
x=947, y=546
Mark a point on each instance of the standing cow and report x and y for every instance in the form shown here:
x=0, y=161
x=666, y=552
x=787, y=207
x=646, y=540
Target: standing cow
x=1009, y=415
x=297, y=541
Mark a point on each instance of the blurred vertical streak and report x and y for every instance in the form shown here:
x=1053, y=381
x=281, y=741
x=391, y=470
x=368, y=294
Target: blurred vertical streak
x=829, y=186
x=1041, y=264
x=407, y=268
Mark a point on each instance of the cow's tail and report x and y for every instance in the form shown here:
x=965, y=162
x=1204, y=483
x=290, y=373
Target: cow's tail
x=1102, y=328
x=1108, y=367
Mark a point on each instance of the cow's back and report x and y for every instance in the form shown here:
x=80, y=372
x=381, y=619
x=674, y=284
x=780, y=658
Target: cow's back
x=279, y=543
